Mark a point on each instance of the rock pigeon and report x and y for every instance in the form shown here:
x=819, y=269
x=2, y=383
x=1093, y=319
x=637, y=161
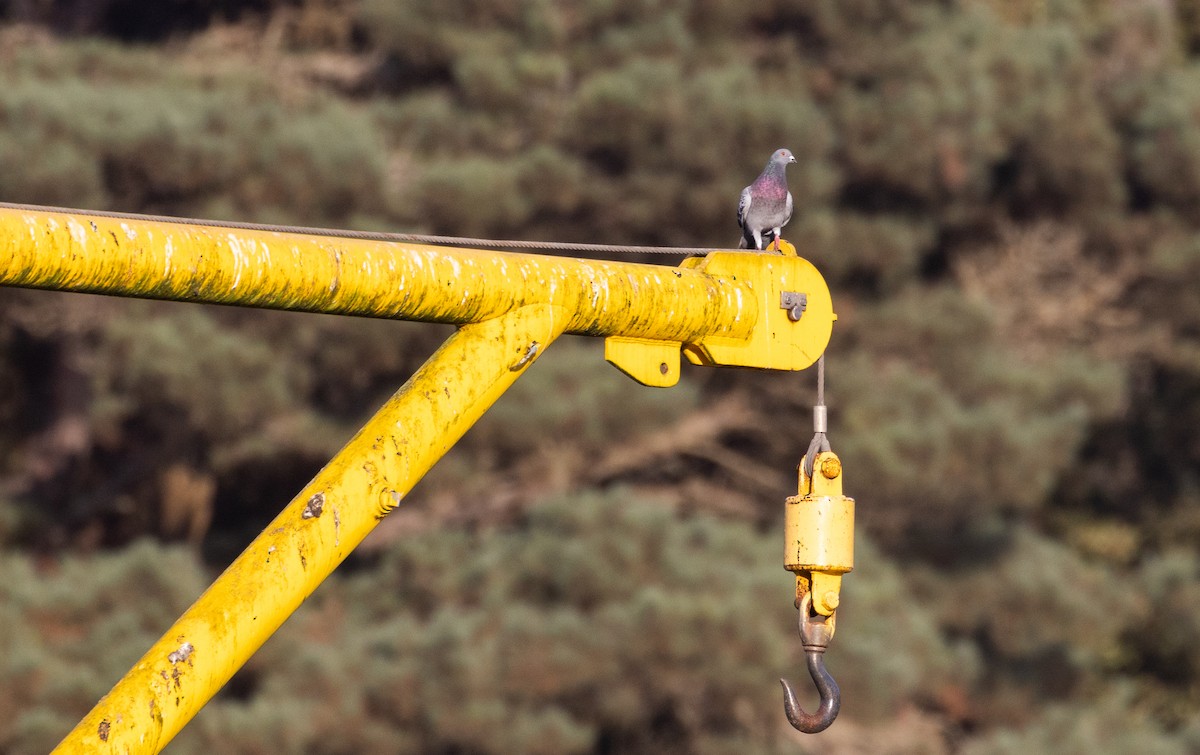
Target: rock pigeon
x=766, y=204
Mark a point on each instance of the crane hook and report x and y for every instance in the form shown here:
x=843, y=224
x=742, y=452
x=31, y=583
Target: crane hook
x=815, y=633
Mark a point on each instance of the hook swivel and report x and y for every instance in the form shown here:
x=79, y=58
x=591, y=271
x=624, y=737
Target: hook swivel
x=815, y=633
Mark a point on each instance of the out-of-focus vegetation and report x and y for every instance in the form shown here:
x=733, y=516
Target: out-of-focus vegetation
x=1003, y=196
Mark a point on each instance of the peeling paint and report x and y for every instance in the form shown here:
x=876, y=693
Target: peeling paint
x=235, y=246
x=530, y=352
x=314, y=507
x=336, y=281
x=78, y=232
x=184, y=653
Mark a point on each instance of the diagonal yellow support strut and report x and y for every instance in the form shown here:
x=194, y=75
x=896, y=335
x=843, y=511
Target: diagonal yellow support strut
x=766, y=311
x=317, y=530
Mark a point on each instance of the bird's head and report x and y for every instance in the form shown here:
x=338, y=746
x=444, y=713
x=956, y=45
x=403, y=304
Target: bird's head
x=783, y=157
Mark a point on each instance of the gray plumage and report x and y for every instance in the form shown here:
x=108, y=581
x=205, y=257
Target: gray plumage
x=766, y=204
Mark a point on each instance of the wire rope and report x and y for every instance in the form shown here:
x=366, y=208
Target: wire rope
x=412, y=238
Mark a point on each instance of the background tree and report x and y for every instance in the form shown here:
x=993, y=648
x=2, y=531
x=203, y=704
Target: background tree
x=1001, y=194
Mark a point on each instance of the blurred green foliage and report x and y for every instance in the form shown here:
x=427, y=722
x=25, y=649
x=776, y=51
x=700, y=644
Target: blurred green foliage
x=1103, y=726
x=118, y=129
x=1001, y=193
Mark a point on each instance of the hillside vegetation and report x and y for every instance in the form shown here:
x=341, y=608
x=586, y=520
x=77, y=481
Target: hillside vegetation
x=1003, y=195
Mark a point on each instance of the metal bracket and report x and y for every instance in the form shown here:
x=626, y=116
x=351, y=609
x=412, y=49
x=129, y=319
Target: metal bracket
x=795, y=303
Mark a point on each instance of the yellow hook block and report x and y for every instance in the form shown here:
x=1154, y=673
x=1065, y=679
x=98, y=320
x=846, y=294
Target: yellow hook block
x=819, y=532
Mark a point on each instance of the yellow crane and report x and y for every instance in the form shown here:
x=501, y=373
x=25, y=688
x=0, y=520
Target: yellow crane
x=760, y=310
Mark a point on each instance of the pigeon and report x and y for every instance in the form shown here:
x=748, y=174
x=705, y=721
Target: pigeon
x=766, y=204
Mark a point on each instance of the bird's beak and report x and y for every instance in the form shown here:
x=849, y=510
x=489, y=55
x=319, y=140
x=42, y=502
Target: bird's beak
x=792, y=159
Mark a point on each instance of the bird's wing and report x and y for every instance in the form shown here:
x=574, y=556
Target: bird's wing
x=787, y=210
x=743, y=207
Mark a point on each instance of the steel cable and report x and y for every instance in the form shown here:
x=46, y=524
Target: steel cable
x=412, y=238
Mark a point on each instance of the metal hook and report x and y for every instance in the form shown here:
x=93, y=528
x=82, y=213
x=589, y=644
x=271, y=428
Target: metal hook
x=815, y=633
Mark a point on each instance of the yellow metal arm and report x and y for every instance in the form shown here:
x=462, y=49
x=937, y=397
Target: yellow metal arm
x=725, y=309
x=317, y=530
x=146, y=259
